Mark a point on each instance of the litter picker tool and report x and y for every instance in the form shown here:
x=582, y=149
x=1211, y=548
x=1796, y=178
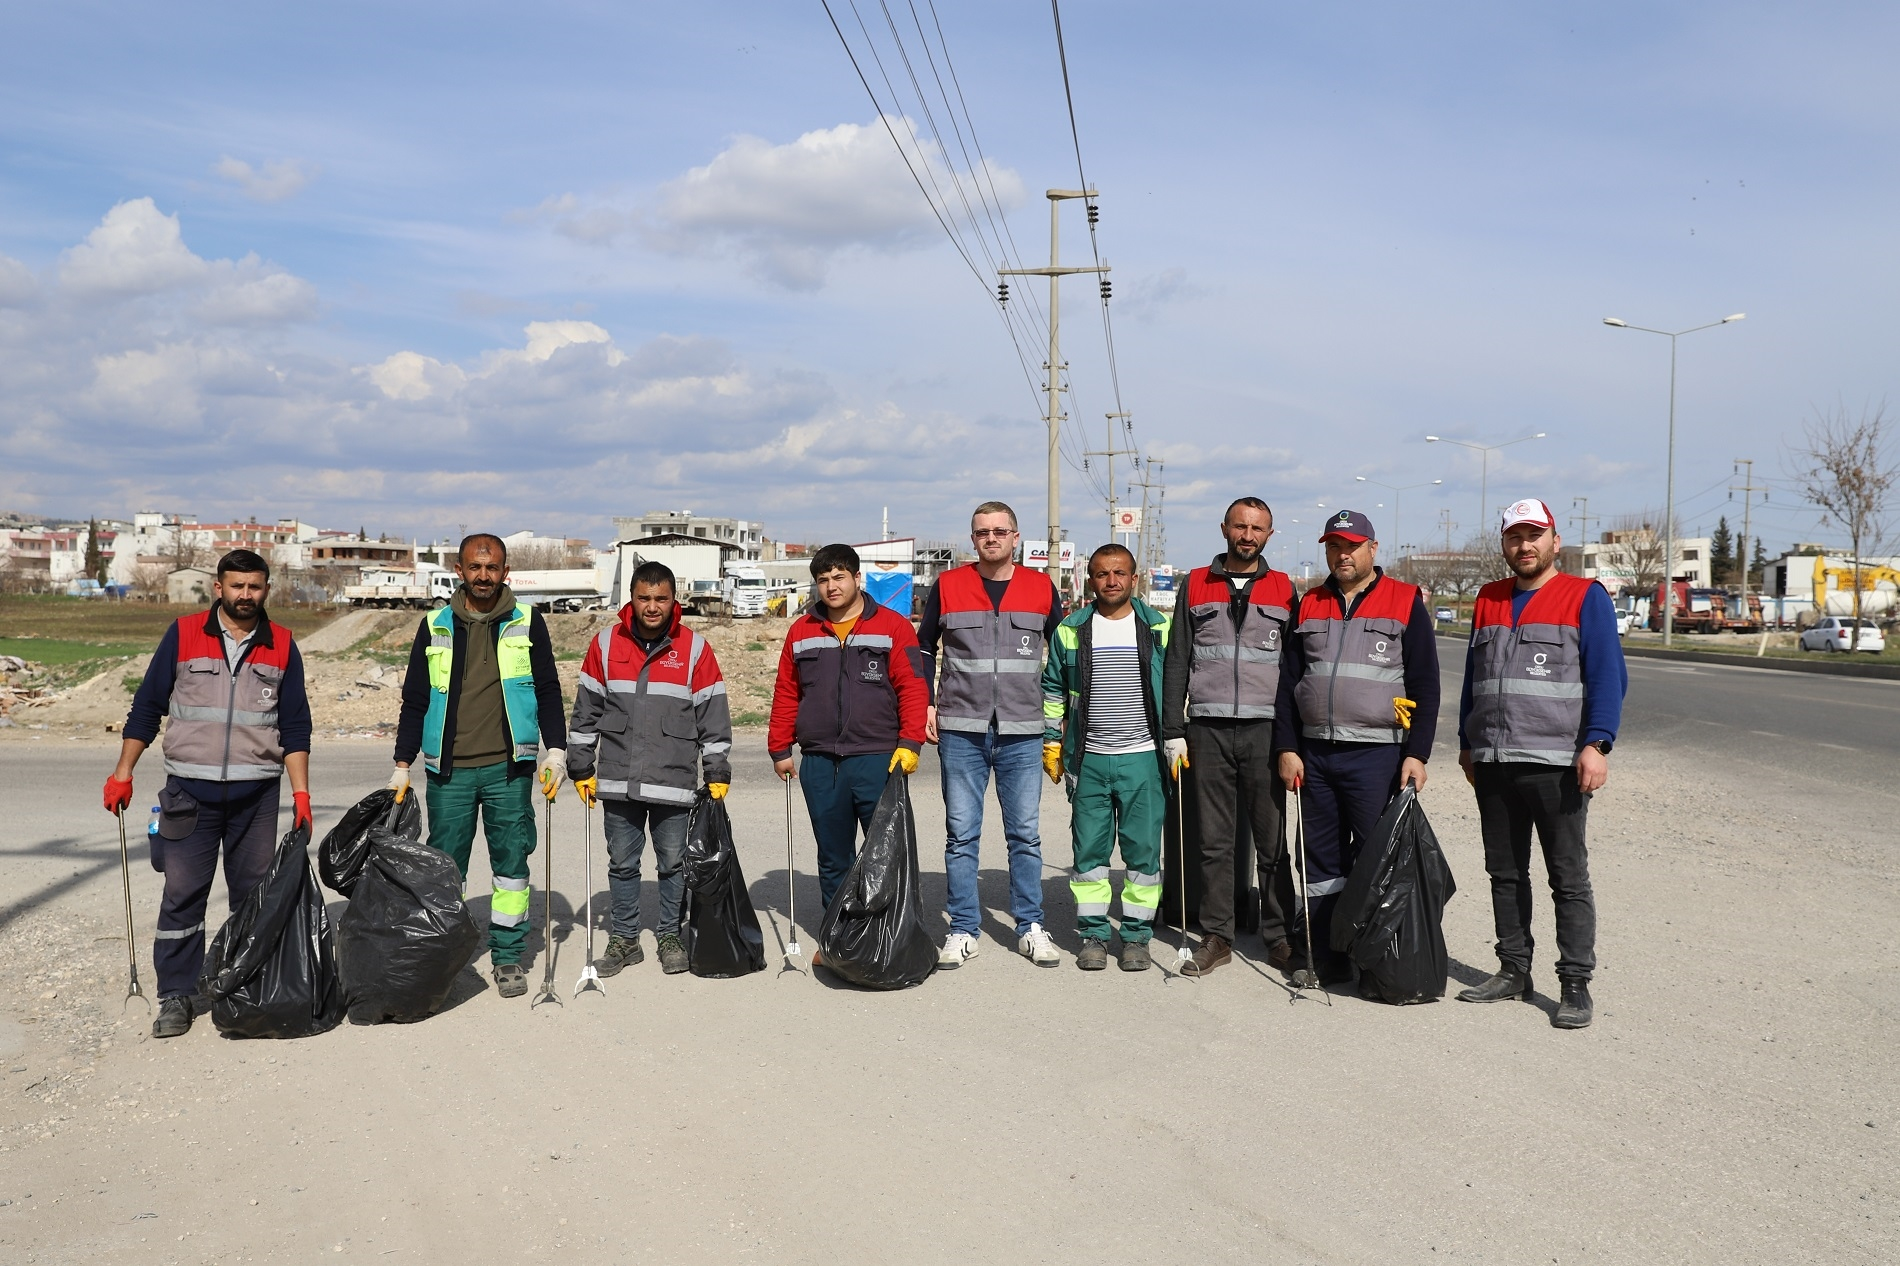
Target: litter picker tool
x=590, y=977
x=1184, y=954
x=547, y=992
x=132, y=989
x=1308, y=976
x=791, y=888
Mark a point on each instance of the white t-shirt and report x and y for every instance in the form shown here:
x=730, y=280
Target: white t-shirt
x=1118, y=719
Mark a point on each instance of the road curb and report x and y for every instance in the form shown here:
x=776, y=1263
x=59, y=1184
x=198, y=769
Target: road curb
x=1823, y=667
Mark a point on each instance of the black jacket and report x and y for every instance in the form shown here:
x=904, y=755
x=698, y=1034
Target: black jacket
x=415, y=689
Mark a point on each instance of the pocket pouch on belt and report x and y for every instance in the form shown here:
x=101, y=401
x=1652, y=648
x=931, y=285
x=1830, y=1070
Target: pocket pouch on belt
x=177, y=819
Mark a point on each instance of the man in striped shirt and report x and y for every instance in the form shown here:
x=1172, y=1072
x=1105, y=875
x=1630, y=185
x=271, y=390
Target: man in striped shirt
x=1102, y=735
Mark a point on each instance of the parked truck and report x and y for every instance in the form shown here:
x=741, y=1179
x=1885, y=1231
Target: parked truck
x=1705, y=610
x=565, y=589
x=427, y=586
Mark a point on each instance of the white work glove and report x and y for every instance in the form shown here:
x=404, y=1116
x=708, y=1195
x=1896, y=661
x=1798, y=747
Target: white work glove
x=399, y=782
x=553, y=771
x=1176, y=752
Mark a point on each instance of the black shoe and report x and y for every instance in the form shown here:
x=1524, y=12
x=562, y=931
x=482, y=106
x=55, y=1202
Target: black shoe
x=673, y=958
x=511, y=980
x=1135, y=956
x=1093, y=955
x=1508, y=983
x=1283, y=957
x=1573, y=1012
x=622, y=951
x=174, y=1018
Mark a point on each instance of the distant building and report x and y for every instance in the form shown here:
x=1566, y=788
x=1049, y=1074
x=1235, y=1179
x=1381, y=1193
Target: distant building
x=1620, y=558
x=190, y=586
x=39, y=559
x=746, y=535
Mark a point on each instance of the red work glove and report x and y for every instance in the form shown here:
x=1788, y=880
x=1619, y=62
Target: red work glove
x=118, y=794
x=300, y=814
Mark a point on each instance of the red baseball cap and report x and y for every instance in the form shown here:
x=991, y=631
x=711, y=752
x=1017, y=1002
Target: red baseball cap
x=1529, y=510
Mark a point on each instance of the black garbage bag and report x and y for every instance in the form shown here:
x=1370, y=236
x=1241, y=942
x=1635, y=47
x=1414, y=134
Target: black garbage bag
x=407, y=933
x=271, y=970
x=874, y=933
x=341, y=856
x=727, y=939
x=1390, y=918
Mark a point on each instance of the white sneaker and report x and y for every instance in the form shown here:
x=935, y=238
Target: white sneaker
x=1037, y=947
x=956, y=947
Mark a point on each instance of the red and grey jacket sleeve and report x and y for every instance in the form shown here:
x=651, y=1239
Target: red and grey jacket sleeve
x=783, y=730
x=1286, y=709
x=154, y=696
x=907, y=678
x=590, y=701
x=712, y=715
x=547, y=682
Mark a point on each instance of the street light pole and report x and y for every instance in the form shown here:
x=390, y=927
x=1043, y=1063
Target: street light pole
x=1395, y=490
x=1669, y=510
x=1484, y=468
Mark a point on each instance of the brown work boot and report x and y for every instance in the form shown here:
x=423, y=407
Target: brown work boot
x=1214, y=952
x=1282, y=957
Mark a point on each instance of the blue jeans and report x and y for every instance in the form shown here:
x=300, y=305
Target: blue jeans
x=841, y=793
x=627, y=823
x=967, y=761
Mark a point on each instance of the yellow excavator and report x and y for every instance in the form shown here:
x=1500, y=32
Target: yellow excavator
x=1870, y=578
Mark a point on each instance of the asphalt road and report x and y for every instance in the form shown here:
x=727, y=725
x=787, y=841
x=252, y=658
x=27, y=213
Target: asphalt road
x=1839, y=729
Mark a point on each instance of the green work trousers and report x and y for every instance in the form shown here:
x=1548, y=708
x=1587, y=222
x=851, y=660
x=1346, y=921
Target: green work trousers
x=502, y=794
x=1118, y=799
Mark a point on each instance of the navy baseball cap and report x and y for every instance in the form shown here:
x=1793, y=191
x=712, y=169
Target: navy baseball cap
x=1349, y=525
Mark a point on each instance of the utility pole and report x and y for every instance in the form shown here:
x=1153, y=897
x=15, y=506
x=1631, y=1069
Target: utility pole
x=1581, y=516
x=1055, y=272
x=1745, y=467
x=1152, y=541
x=1444, y=521
x=1111, y=452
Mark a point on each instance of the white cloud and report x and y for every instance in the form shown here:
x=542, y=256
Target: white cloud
x=17, y=287
x=785, y=211
x=250, y=292
x=135, y=250
x=273, y=183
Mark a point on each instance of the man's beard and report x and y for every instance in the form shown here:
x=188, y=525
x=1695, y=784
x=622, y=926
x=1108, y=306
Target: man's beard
x=242, y=609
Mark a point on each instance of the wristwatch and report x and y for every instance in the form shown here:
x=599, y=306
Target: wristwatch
x=1602, y=745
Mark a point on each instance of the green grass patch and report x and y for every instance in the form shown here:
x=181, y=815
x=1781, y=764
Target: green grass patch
x=755, y=646
x=132, y=682
x=141, y=624
x=59, y=651
x=749, y=718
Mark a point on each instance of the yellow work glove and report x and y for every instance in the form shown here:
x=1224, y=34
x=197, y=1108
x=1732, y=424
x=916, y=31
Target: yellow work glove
x=1176, y=751
x=1402, y=712
x=553, y=771
x=718, y=790
x=905, y=759
x=1052, y=761
x=587, y=789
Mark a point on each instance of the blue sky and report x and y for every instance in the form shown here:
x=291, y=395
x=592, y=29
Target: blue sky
x=419, y=266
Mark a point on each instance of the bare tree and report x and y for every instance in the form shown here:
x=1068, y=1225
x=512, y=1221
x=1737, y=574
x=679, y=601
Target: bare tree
x=1636, y=552
x=151, y=579
x=1844, y=471
x=537, y=556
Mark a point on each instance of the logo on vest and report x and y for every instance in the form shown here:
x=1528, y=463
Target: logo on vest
x=265, y=693
x=873, y=671
x=1378, y=655
x=1537, y=668
x=1026, y=647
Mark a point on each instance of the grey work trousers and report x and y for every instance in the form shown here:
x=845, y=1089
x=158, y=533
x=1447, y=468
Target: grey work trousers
x=1234, y=769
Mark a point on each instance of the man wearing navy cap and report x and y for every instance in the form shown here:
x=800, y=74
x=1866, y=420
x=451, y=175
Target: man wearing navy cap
x=1362, y=661
x=1543, y=694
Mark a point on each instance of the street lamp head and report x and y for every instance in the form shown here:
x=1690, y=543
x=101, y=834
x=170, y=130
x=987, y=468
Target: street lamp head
x=1540, y=435
x=1436, y=482
x=1360, y=478
x=1431, y=439
x=1618, y=322
x=1739, y=316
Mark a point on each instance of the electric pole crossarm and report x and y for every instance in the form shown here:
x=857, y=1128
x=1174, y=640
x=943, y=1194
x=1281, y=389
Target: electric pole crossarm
x=1048, y=272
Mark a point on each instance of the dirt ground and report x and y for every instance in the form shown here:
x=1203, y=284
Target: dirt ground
x=354, y=667
x=1734, y=1102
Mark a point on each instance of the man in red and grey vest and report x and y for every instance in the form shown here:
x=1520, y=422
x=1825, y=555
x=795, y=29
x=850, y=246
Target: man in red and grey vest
x=1543, y=695
x=1362, y=658
x=986, y=625
x=1220, y=687
x=231, y=682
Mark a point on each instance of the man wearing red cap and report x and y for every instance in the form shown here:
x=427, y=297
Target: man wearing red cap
x=1543, y=694
x=1363, y=657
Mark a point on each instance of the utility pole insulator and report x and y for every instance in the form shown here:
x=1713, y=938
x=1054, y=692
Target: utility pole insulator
x=1105, y=285
x=1002, y=292
x=1094, y=214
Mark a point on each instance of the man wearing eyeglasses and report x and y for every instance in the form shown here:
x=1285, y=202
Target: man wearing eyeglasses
x=985, y=627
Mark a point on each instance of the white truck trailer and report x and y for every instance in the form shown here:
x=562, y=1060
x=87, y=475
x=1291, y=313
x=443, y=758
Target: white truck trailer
x=566, y=589
x=425, y=587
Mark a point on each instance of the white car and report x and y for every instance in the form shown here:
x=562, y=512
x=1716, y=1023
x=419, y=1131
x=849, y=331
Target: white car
x=1625, y=621
x=1836, y=633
